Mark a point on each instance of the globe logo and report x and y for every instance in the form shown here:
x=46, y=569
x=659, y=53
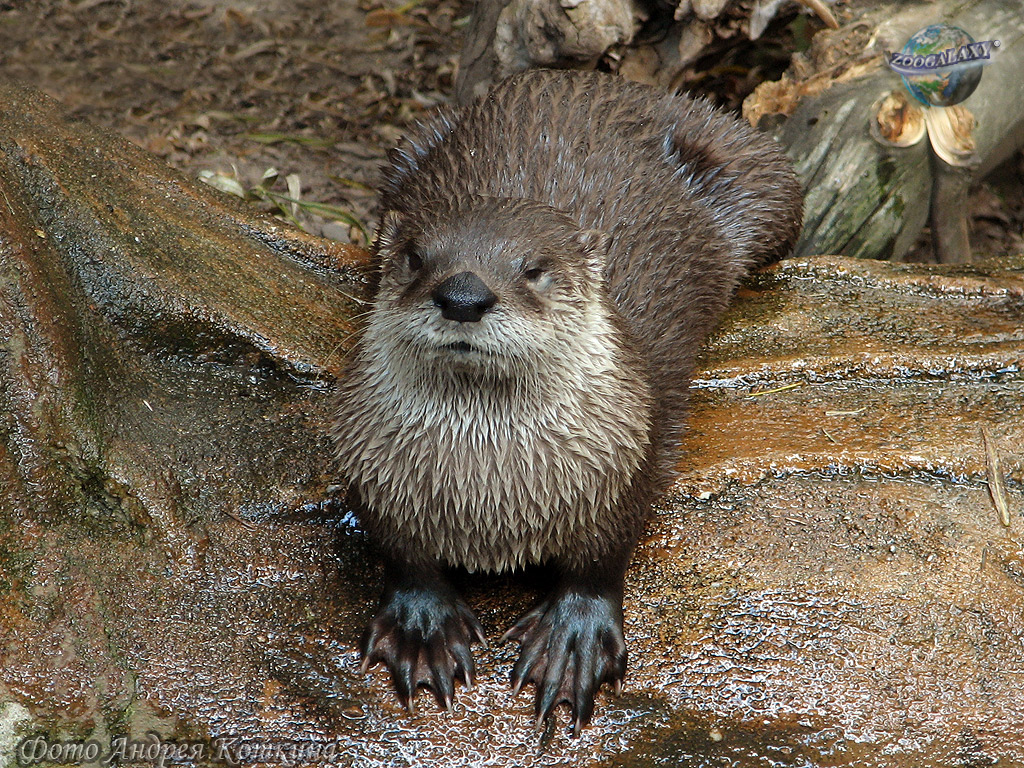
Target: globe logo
x=941, y=65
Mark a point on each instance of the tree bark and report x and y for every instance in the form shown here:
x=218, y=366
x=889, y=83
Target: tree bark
x=140, y=315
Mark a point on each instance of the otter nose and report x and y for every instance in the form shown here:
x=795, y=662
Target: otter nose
x=463, y=297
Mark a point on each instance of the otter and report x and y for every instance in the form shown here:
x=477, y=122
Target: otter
x=548, y=263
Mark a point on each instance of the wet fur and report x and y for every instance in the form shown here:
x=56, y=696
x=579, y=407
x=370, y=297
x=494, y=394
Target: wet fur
x=550, y=439
x=691, y=200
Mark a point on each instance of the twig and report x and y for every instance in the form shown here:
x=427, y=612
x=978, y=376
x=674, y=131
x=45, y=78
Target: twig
x=783, y=388
x=823, y=11
x=247, y=524
x=995, y=480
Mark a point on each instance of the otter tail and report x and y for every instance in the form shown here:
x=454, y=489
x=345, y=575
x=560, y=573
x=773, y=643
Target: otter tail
x=742, y=178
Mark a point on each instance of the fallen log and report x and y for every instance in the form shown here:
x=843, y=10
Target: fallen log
x=508, y=36
x=832, y=581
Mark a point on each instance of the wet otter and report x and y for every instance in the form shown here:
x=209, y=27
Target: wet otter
x=550, y=259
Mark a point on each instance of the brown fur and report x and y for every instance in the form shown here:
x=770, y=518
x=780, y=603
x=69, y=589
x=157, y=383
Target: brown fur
x=553, y=443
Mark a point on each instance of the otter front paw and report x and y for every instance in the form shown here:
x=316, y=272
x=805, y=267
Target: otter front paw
x=569, y=646
x=424, y=637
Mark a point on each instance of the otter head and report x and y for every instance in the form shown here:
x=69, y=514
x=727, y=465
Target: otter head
x=495, y=285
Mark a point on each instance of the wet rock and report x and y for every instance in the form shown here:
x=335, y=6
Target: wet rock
x=828, y=583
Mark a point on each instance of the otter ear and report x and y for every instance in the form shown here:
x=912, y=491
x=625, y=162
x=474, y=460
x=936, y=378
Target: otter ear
x=595, y=244
x=387, y=232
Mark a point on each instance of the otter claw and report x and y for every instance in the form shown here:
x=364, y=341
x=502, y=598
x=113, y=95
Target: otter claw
x=569, y=647
x=424, y=637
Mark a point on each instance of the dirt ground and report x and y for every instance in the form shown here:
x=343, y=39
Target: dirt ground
x=310, y=88
x=317, y=90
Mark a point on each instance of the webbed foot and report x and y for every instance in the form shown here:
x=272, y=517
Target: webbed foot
x=569, y=646
x=423, y=635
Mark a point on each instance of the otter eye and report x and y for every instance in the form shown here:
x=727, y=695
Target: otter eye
x=415, y=261
x=534, y=274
